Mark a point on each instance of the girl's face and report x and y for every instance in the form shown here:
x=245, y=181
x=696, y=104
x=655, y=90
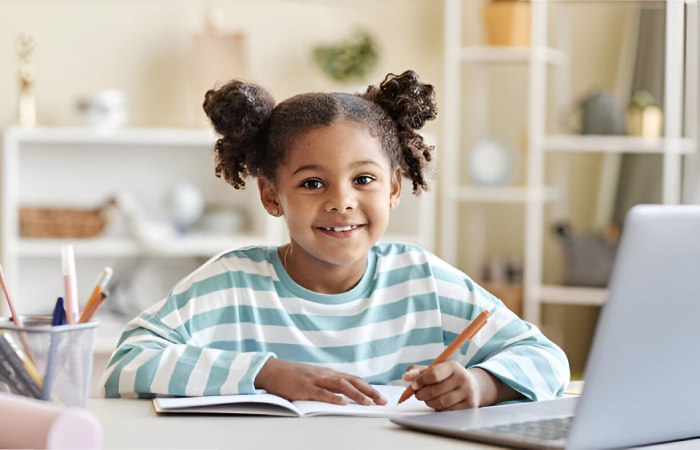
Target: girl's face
x=335, y=189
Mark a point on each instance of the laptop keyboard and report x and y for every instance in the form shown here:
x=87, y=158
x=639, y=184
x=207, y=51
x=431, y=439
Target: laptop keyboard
x=547, y=431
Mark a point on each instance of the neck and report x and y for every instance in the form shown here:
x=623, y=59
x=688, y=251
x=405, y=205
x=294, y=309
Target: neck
x=321, y=277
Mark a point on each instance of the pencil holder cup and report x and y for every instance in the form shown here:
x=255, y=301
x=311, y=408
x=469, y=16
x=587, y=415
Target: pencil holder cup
x=52, y=363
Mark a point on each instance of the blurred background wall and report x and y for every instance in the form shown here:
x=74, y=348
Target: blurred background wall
x=144, y=48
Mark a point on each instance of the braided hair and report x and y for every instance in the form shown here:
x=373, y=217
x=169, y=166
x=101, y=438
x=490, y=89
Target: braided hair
x=255, y=132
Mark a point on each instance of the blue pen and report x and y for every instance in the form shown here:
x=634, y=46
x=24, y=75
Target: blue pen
x=58, y=319
x=59, y=313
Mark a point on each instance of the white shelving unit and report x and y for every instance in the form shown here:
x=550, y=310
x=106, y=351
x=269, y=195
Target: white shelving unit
x=680, y=73
x=75, y=167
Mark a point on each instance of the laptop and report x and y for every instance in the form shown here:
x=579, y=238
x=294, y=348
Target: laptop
x=643, y=370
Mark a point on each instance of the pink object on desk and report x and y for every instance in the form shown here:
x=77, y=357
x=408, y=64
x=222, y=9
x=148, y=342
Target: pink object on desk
x=29, y=423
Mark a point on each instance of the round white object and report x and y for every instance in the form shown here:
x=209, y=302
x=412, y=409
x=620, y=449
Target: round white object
x=490, y=163
x=186, y=204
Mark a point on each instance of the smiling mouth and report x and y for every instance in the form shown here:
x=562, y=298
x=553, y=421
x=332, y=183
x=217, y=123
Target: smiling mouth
x=339, y=229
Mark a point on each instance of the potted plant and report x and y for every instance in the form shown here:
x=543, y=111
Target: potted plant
x=348, y=61
x=507, y=23
x=644, y=116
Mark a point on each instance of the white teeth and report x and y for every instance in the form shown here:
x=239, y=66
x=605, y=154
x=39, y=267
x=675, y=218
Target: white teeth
x=347, y=228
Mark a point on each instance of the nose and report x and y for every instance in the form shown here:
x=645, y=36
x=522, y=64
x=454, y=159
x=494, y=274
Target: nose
x=340, y=198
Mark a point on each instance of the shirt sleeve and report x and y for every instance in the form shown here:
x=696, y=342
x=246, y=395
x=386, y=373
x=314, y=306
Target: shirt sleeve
x=153, y=358
x=511, y=349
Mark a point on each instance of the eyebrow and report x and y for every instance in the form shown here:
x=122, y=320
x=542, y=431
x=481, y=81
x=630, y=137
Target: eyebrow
x=355, y=164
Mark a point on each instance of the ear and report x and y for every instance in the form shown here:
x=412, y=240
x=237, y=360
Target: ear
x=268, y=197
x=395, y=195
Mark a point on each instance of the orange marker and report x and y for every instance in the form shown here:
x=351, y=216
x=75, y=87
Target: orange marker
x=459, y=341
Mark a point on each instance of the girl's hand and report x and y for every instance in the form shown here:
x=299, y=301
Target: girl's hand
x=298, y=381
x=449, y=386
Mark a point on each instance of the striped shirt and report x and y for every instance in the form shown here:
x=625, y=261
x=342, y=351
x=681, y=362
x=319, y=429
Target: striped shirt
x=220, y=324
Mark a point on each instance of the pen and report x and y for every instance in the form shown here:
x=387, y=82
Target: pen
x=15, y=317
x=88, y=313
x=58, y=319
x=70, y=283
x=459, y=341
x=95, y=297
x=59, y=313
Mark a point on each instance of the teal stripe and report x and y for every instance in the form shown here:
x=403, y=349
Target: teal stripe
x=395, y=373
x=123, y=357
x=220, y=282
x=306, y=322
x=495, y=344
x=546, y=370
x=247, y=383
x=183, y=370
x=402, y=275
x=176, y=336
x=338, y=354
x=453, y=276
x=146, y=373
x=219, y=373
x=515, y=377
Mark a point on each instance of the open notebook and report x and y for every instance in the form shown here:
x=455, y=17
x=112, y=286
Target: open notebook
x=272, y=405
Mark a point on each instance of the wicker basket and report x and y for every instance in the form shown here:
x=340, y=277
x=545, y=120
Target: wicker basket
x=37, y=222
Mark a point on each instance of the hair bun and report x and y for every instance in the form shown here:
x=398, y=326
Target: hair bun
x=409, y=102
x=237, y=110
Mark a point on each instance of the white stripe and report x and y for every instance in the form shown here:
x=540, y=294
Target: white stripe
x=166, y=366
x=324, y=338
x=539, y=384
x=558, y=366
x=374, y=366
x=224, y=263
x=248, y=297
x=238, y=369
x=387, y=263
x=200, y=373
x=127, y=376
x=531, y=332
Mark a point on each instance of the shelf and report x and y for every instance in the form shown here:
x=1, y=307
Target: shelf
x=487, y=54
x=617, y=144
x=505, y=194
x=572, y=295
x=188, y=246
x=174, y=137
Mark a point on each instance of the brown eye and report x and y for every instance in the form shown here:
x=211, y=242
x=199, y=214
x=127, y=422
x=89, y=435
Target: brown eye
x=312, y=184
x=364, y=179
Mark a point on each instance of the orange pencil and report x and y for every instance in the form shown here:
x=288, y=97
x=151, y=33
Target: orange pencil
x=459, y=341
x=100, y=285
x=89, y=312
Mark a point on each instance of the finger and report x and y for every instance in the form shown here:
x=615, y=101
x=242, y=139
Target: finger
x=345, y=387
x=467, y=403
x=432, y=391
x=450, y=401
x=411, y=374
x=433, y=374
x=324, y=395
x=367, y=389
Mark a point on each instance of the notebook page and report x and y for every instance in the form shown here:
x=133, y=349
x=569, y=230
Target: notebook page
x=412, y=406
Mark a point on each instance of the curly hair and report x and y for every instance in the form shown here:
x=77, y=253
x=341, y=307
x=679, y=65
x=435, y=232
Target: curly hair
x=255, y=132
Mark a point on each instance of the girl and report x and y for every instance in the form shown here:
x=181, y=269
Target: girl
x=322, y=317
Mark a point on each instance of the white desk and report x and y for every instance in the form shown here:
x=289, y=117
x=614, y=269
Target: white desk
x=129, y=424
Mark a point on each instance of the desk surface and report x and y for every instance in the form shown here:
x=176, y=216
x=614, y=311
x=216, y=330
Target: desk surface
x=129, y=424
